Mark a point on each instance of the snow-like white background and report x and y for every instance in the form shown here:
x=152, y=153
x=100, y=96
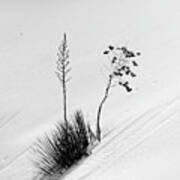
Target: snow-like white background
x=30, y=93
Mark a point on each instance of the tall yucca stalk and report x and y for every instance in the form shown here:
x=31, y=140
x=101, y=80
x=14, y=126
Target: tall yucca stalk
x=63, y=70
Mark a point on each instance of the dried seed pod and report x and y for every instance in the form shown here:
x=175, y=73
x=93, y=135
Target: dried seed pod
x=111, y=47
x=106, y=52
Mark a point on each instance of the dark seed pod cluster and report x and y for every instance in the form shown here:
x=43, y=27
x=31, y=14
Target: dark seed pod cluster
x=122, y=59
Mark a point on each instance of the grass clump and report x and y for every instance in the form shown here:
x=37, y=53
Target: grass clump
x=65, y=146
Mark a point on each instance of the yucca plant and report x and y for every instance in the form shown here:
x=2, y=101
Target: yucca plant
x=65, y=146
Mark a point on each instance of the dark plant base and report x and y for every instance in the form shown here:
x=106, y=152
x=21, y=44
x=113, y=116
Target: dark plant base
x=58, y=152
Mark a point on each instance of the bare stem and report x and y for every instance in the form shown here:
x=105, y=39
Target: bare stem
x=98, y=130
x=64, y=97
